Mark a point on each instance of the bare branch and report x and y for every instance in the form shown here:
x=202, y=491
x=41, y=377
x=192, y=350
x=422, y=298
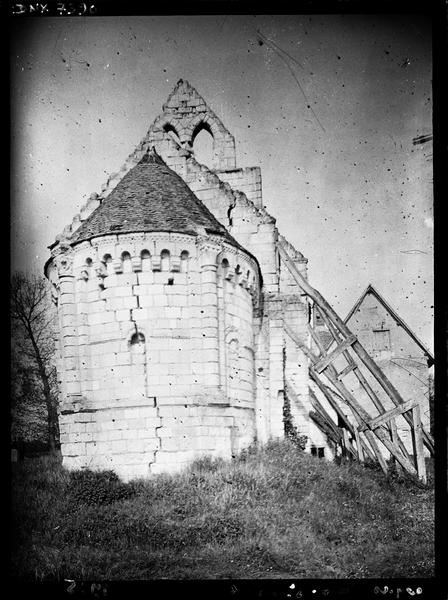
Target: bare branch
x=33, y=342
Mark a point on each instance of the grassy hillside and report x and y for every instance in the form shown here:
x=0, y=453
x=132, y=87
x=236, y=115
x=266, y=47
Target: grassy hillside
x=272, y=512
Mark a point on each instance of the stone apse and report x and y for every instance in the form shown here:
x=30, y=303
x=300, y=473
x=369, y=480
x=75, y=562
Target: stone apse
x=171, y=302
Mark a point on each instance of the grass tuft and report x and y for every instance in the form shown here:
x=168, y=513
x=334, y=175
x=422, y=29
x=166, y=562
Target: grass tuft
x=271, y=512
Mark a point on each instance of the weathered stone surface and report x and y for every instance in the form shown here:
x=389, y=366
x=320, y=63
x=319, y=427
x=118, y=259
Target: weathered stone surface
x=162, y=336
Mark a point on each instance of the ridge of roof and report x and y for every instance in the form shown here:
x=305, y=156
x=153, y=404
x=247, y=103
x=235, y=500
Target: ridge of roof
x=371, y=290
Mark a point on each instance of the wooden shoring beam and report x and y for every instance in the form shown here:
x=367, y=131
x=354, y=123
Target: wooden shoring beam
x=332, y=403
x=320, y=421
x=348, y=369
x=331, y=425
x=358, y=411
x=336, y=436
x=418, y=444
x=350, y=450
x=359, y=446
x=360, y=378
x=380, y=433
x=318, y=407
x=329, y=358
x=391, y=414
x=347, y=445
x=369, y=434
x=364, y=383
x=393, y=437
x=376, y=452
x=357, y=347
x=328, y=395
x=333, y=430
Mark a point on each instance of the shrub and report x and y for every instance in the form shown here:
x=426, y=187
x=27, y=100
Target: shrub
x=246, y=453
x=97, y=487
x=291, y=432
x=207, y=464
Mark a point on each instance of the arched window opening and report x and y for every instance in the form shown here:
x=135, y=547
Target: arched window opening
x=237, y=273
x=146, y=260
x=225, y=267
x=87, y=270
x=127, y=265
x=203, y=145
x=107, y=260
x=184, y=261
x=165, y=260
x=171, y=131
x=137, y=343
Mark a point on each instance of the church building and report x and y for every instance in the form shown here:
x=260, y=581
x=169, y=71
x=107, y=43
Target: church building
x=172, y=303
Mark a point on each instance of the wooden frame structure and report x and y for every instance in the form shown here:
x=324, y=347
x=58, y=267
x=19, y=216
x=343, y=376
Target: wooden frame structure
x=369, y=430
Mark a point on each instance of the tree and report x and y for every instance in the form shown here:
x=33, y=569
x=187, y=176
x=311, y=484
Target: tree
x=33, y=349
x=28, y=411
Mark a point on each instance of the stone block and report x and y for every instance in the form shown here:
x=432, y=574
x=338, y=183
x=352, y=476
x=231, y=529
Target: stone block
x=101, y=436
x=108, y=359
x=144, y=434
x=130, y=302
x=74, y=449
x=169, y=356
x=156, y=289
x=123, y=315
x=141, y=290
x=178, y=443
x=123, y=291
x=146, y=301
x=145, y=278
x=141, y=314
x=172, y=458
x=72, y=387
x=123, y=358
x=152, y=422
x=91, y=448
x=115, y=303
x=159, y=300
x=179, y=300
x=118, y=446
x=126, y=280
x=143, y=445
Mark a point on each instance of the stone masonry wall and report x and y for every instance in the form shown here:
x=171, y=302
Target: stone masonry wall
x=246, y=180
x=141, y=346
x=234, y=196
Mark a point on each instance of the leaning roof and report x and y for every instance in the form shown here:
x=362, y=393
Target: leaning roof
x=151, y=197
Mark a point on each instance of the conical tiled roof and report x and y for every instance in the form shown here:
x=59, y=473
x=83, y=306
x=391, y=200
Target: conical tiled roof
x=151, y=197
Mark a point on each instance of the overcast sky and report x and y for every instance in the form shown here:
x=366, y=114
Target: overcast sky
x=328, y=106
